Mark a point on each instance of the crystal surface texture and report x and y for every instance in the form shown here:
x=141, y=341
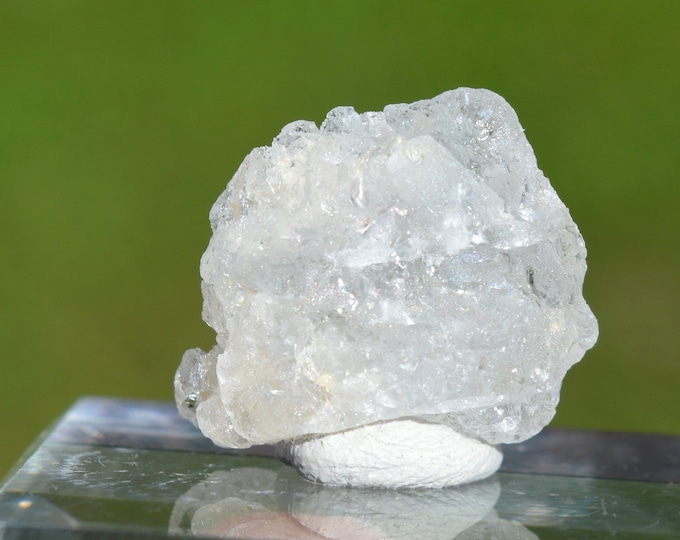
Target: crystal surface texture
x=413, y=262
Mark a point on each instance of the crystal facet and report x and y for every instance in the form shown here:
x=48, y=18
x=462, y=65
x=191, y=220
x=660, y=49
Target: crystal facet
x=410, y=263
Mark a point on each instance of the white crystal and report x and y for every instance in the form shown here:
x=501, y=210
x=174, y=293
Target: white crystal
x=410, y=263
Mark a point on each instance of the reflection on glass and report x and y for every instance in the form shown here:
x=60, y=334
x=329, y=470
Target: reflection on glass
x=252, y=502
x=129, y=470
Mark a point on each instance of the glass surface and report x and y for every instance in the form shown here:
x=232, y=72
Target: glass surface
x=115, y=469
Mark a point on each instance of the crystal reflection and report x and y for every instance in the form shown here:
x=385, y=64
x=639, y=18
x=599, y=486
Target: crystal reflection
x=251, y=502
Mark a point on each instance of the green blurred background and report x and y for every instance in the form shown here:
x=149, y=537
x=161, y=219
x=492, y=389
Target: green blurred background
x=121, y=122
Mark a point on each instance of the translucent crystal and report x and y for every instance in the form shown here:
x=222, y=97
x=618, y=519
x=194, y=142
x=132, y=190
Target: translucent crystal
x=413, y=262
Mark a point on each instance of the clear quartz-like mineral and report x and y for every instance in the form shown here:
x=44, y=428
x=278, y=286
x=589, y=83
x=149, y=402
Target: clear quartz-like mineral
x=410, y=263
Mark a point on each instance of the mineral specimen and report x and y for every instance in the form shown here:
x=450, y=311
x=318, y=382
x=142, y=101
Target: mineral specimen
x=411, y=263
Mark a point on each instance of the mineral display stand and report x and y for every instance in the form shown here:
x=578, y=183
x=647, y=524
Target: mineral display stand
x=135, y=469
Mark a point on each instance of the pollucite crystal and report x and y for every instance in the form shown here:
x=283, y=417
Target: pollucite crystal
x=413, y=262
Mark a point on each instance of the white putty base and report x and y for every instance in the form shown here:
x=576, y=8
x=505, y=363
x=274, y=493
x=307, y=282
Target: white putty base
x=397, y=454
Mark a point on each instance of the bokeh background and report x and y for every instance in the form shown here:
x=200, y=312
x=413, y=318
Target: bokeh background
x=121, y=122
